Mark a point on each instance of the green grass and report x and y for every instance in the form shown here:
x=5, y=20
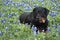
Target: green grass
x=18, y=31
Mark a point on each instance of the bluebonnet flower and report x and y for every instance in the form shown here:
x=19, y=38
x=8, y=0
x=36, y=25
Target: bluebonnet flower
x=15, y=14
x=10, y=15
x=48, y=29
x=34, y=33
x=34, y=30
x=54, y=26
x=4, y=9
x=35, y=5
x=53, y=14
x=1, y=33
x=0, y=20
x=20, y=4
x=43, y=4
x=1, y=14
x=3, y=21
x=10, y=0
x=55, y=8
x=6, y=28
x=24, y=5
x=40, y=0
x=54, y=0
x=13, y=3
x=3, y=0
x=7, y=2
x=17, y=4
x=32, y=0
x=28, y=8
x=58, y=26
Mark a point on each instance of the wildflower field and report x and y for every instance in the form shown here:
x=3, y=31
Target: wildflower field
x=12, y=29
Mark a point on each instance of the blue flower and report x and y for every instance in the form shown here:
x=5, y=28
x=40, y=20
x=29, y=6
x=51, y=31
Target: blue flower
x=54, y=26
x=58, y=26
x=24, y=5
x=7, y=2
x=6, y=28
x=3, y=21
x=28, y=8
x=35, y=5
x=17, y=4
x=54, y=8
x=12, y=3
x=40, y=0
x=54, y=0
x=1, y=33
x=10, y=15
x=53, y=14
x=1, y=14
x=15, y=13
x=34, y=33
x=3, y=0
x=34, y=28
x=10, y=0
x=48, y=29
x=32, y=0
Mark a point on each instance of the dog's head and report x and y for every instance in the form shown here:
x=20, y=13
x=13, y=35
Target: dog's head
x=40, y=14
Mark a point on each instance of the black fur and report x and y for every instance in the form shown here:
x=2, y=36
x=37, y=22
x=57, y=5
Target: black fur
x=33, y=17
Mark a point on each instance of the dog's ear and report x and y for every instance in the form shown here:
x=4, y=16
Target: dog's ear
x=46, y=11
x=34, y=10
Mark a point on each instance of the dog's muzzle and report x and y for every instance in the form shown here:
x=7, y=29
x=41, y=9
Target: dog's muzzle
x=42, y=20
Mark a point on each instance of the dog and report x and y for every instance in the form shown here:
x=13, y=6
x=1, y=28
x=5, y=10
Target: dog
x=38, y=18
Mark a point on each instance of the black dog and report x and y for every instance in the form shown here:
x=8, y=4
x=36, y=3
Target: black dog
x=37, y=17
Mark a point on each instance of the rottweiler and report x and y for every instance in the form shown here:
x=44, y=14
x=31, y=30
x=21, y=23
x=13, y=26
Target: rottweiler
x=38, y=18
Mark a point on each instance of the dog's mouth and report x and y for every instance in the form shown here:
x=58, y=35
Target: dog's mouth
x=42, y=20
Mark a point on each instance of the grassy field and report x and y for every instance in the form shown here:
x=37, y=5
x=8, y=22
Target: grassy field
x=12, y=29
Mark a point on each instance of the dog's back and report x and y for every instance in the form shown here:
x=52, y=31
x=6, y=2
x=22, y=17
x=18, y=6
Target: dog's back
x=23, y=16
